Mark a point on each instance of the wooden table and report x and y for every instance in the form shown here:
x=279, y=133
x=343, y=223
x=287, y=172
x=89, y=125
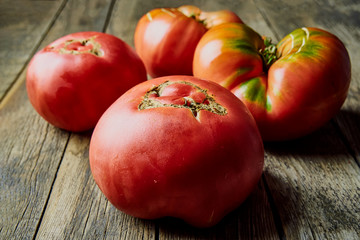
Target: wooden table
x=310, y=188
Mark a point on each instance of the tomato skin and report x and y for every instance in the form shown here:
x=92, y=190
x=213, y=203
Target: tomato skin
x=210, y=19
x=301, y=91
x=166, y=38
x=164, y=161
x=73, y=80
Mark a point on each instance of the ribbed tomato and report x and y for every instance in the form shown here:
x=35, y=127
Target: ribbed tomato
x=291, y=88
x=177, y=146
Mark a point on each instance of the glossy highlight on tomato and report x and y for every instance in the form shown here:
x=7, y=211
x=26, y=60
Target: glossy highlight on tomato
x=291, y=88
x=177, y=146
x=72, y=81
x=166, y=38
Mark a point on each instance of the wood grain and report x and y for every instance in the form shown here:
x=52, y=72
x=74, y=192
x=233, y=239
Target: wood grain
x=316, y=180
x=31, y=152
x=310, y=186
x=31, y=149
x=20, y=34
x=78, y=210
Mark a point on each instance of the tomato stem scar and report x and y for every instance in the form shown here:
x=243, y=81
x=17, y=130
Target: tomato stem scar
x=195, y=100
x=80, y=46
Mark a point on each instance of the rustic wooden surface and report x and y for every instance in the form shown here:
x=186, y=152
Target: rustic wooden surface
x=310, y=188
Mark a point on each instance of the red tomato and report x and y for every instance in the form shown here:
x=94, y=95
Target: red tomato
x=76, y=78
x=177, y=146
x=291, y=88
x=166, y=38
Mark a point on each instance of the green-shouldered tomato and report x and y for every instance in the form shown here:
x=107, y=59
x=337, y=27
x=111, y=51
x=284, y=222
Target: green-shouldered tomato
x=291, y=88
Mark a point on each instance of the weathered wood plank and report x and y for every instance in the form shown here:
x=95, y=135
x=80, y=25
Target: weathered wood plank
x=31, y=150
x=78, y=210
x=22, y=26
x=30, y=153
x=315, y=185
x=257, y=219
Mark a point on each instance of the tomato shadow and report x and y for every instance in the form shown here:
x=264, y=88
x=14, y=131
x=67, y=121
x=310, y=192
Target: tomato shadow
x=348, y=122
x=326, y=141
x=253, y=218
x=169, y=227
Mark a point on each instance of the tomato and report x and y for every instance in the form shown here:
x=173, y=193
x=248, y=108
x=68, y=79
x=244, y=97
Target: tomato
x=291, y=88
x=72, y=81
x=166, y=38
x=177, y=146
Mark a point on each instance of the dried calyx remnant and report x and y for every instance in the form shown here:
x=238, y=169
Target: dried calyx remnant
x=80, y=46
x=268, y=53
x=181, y=94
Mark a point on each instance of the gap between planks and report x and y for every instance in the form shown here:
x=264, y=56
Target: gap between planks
x=51, y=188
x=274, y=211
x=18, y=79
x=108, y=16
x=345, y=140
